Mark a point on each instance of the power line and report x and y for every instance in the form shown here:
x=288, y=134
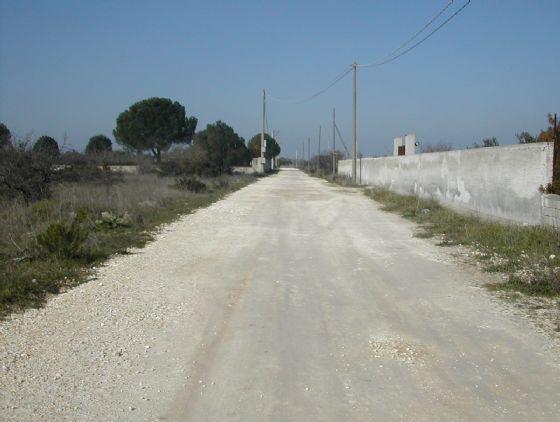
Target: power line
x=305, y=99
x=430, y=22
x=388, y=58
x=393, y=58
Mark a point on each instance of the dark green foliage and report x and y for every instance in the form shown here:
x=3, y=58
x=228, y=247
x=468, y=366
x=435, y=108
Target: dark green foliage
x=191, y=161
x=5, y=136
x=526, y=138
x=99, y=144
x=190, y=184
x=272, y=147
x=25, y=173
x=154, y=125
x=64, y=240
x=283, y=161
x=221, y=148
x=486, y=143
x=47, y=146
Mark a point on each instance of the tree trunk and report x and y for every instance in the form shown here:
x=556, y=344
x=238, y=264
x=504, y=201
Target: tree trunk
x=157, y=154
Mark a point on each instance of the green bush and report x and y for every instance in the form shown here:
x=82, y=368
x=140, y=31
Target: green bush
x=190, y=184
x=98, y=144
x=63, y=240
x=46, y=145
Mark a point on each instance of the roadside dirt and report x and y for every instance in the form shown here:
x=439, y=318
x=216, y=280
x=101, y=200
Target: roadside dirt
x=288, y=300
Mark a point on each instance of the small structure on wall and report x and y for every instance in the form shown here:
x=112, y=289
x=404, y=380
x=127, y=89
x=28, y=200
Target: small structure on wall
x=405, y=145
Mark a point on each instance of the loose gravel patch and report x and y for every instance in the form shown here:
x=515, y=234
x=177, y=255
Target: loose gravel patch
x=112, y=347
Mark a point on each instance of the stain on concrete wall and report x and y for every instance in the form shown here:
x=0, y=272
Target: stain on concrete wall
x=499, y=182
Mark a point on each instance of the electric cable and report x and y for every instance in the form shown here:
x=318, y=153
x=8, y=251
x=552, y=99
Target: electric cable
x=305, y=99
x=439, y=27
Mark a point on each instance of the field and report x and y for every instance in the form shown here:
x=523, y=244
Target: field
x=51, y=245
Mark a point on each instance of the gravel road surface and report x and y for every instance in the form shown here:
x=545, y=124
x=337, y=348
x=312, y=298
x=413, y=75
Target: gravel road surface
x=290, y=300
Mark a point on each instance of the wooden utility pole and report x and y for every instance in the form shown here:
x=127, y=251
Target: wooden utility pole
x=273, y=159
x=333, y=143
x=354, y=134
x=556, y=150
x=319, y=151
x=263, y=145
x=308, y=153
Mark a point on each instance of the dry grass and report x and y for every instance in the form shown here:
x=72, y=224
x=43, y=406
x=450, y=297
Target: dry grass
x=529, y=255
x=28, y=274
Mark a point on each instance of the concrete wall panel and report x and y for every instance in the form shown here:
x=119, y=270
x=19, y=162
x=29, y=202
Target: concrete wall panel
x=499, y=182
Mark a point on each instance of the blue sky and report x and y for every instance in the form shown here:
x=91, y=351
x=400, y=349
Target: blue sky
x=68, y=66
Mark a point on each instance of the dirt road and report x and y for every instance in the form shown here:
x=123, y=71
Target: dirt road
x=290, y=300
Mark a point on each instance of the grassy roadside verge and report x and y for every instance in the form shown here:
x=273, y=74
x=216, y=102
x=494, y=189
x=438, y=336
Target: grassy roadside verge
x=528, y=255
x=112, y=219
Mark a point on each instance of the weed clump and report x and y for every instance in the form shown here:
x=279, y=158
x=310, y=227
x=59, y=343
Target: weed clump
x=64, y=240
x=190, y=184
x=112, y=221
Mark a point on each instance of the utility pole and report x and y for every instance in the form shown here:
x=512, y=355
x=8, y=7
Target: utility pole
x=555, y=150
x=319, y=150
x=333, y=142
x=296, y=158
x=273, y=160
x=263, y=145
x=308, y=153
x=303, y=153
x=354, y=134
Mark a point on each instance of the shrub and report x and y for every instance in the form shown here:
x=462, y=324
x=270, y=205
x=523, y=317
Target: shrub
x=46, y=145
x=171, y=167
x=64, y=240
x=5, y=136
x=25, y=173
x=190, y=184
x=112, y=221
x=99, y=144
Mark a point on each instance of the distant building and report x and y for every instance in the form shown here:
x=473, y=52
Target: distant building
x=405, y=145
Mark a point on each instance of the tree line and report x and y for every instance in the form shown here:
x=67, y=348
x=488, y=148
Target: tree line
x=155, y=125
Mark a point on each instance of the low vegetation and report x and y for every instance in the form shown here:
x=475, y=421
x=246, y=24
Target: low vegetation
x=50, y=245
x=530, y=256
x=63, y=212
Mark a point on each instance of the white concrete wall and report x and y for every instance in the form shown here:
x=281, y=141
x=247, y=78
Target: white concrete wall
x=499, y=182
x=410, y=144
x=243, y=170
x=551, y=210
